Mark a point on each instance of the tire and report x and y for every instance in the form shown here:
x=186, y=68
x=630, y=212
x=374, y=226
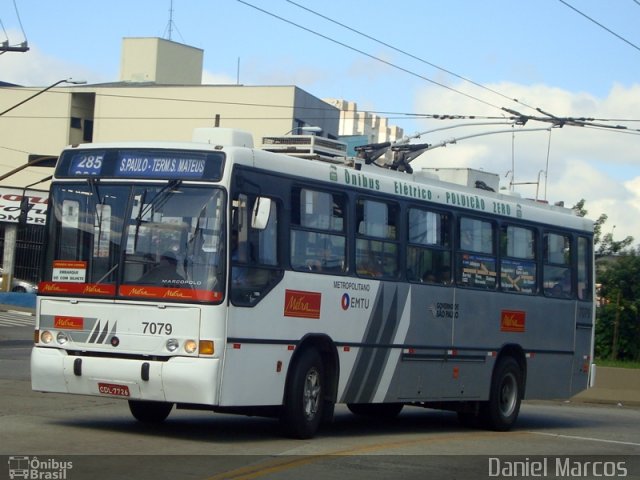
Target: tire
x=379, y=410
x=501, y=411
x=151, y=413
x=304, y=397
x=19, y=289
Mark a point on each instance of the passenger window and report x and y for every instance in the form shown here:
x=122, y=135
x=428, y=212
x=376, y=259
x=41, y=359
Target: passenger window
x=428, y=250
x=558, y=278
x=476, y=261
x=318, y=241
x=377, y=239
x=517, y=264
x=585, y=289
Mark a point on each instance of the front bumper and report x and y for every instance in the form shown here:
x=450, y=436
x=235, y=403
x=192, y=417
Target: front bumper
x=177, y=380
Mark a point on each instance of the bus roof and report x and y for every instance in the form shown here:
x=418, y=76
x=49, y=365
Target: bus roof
x=353, y=173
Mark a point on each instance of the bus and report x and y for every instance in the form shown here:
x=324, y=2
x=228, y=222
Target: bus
x=214, y=275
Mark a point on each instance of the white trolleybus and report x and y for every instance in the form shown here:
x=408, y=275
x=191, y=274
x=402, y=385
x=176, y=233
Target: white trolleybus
x=212, y=275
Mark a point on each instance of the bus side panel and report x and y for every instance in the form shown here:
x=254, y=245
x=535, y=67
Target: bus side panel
x=262, y=339
x=582, y=359
x=420, y=373
x=548, y=376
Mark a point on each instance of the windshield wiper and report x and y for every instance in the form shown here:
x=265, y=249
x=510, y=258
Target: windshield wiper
x=139, y=219
x=162, y=195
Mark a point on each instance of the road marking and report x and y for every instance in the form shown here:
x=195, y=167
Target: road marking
x=587, y=439
x=16, y=319
x=278, y=465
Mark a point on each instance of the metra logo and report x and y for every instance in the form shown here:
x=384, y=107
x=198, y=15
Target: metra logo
x=96, y=290
x=171, y=293
x=52, y=287
x=302, y=304
x=68, y=323
x=512, y=320
x=141, y=292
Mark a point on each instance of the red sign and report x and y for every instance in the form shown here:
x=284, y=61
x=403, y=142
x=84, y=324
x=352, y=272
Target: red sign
x=79, y=264
x=186, y=294
x=68, y=323
x=72, y=288
x=302, y=304
x=512, y=320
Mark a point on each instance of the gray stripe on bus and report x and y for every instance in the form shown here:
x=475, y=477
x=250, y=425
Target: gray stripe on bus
x=369, y=365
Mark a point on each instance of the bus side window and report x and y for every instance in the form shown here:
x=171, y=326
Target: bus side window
x=585, y=291
x=557, y=276
x=518, y=260
x=253, y=253
x=318, y=241
x=377, y=239
x=476, y=260
x=428, y=254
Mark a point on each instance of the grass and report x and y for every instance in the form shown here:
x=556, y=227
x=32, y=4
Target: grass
x=602, y=362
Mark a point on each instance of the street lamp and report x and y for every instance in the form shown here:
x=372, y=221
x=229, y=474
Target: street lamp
x=306, y=128
x=66, y=80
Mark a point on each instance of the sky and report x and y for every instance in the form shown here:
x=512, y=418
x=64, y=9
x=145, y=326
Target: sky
x=465, y=58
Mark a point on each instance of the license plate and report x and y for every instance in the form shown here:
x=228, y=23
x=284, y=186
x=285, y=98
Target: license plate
x=113, y=389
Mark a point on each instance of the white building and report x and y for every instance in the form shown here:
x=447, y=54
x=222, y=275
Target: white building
x=159, y=96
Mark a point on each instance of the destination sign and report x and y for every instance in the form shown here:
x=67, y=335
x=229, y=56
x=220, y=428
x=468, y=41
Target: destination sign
x=159, y=165
x=143, y=163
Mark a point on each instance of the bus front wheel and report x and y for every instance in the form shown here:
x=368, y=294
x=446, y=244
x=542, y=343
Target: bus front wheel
x=303, y=401
x=501, y=411
x=150, y=412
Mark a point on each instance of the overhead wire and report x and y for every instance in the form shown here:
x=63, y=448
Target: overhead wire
x=514, y=115
x=548, y=118
x=15, y=6
x=599, y=24
x=289, y=106
x=369, y=55
x=415, y=57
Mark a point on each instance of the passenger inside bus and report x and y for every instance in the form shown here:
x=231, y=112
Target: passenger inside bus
x=369, y=266
x=165, y=273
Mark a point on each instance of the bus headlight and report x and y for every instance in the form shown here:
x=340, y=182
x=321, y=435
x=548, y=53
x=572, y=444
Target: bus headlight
x=46, y=337
x=62, y=338
x=190, y=346
x=172, y=344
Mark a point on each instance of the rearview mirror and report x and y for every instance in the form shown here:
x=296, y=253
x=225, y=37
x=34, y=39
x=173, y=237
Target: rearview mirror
x=261, y=212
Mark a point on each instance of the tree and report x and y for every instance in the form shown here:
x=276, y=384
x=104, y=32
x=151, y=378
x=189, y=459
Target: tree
x=618, y=319
x=617, y=334
x=606, y=245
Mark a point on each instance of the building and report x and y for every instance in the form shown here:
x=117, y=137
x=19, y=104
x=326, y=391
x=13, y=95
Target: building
x=358, y=127
x=159, y=96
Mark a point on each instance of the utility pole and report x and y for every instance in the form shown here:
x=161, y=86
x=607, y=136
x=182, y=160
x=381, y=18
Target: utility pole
x=616, y=329
x=66, y=80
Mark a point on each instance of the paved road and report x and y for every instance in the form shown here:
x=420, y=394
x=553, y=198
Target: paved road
x=101, y=440
x=13, y=318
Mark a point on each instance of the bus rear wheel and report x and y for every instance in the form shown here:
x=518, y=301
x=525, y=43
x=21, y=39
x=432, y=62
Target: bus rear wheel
x=501, y=411
x=304, y=396
x=150, y=412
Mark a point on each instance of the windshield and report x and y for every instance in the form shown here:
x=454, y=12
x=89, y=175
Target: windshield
x=144, y=241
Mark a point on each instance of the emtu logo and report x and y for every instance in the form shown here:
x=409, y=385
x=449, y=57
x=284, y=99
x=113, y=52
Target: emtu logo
x=346, y=301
